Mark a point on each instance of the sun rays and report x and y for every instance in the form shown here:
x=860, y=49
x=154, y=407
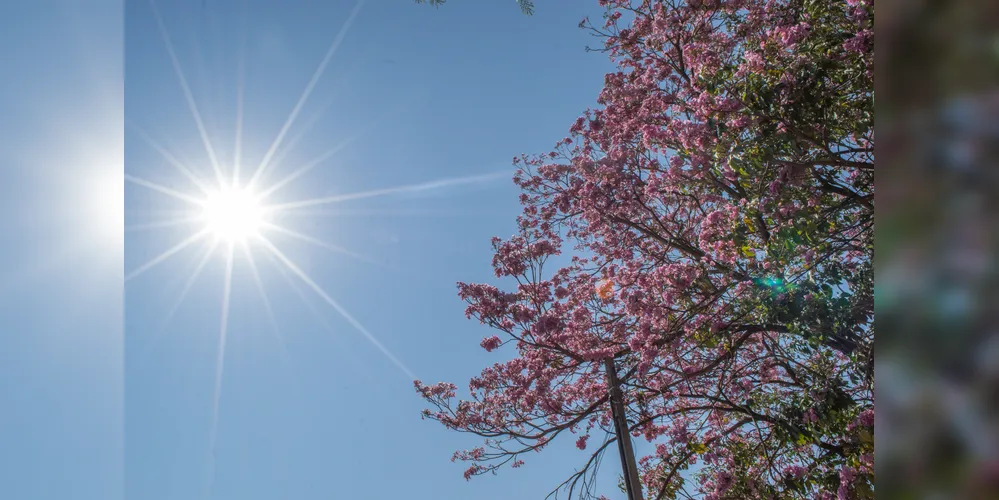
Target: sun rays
x=228, y=211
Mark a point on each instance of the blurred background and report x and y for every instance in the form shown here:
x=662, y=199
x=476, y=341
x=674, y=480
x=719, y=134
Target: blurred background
x=937, y=257
x=61, y=239
x=937, y=252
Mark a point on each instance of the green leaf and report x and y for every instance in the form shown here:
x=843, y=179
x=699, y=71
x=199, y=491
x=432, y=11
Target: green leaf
x=866, y=437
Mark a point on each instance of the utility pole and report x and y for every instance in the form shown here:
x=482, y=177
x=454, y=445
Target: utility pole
x=628, y=465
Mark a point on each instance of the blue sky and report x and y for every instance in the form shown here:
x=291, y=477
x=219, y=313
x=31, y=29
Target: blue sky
x=312, y=408
x=61, y=371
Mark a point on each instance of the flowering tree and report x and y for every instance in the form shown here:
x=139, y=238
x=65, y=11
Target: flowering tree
x=720, y=206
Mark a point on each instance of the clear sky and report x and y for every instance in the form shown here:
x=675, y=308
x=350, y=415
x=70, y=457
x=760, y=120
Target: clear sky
x=307, y=405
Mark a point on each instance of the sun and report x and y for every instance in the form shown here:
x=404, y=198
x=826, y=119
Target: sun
x=233, y=214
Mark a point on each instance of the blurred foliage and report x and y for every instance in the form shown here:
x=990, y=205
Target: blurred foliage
x=937, y=260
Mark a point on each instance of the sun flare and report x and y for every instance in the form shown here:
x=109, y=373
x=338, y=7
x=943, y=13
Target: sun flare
x=233, y=214
x=241, y=217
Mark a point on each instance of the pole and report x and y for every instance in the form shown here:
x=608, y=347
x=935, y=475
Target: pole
x=628, y=465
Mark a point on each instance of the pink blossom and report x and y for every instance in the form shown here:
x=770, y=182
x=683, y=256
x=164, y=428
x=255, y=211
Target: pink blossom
x=491, y=343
